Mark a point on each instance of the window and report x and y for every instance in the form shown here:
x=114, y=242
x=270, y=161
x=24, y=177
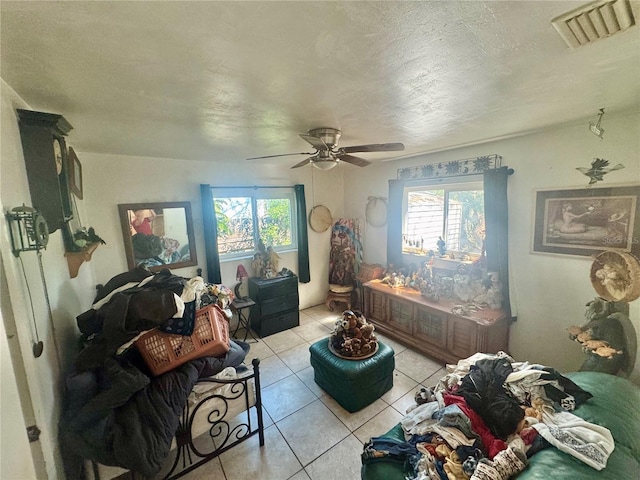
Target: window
x=247, y=216
x=453, y=212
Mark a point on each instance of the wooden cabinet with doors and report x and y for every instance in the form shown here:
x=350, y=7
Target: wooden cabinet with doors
x=430, y=327
x=400, y=315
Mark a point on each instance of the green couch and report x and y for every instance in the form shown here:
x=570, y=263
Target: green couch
x=615, y=405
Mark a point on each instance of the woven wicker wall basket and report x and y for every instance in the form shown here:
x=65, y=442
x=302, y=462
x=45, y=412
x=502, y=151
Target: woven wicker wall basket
x=615, y=276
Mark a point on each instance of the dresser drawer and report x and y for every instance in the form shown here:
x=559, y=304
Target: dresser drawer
x=271, y=306
x=276, y=307
x=276, y=323
x=264, y=289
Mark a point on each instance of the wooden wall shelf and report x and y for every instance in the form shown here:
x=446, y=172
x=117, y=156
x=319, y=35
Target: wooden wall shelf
x=76, y=259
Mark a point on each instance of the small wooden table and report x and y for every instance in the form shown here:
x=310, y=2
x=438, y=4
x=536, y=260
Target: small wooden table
x=238, y=306
x=334, y=297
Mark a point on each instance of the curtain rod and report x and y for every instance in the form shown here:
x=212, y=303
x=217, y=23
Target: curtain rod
x=255, y=187
x=451, y=168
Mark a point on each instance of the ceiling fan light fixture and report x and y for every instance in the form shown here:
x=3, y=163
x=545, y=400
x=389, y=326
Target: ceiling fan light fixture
x=595, y=128
x=324, y=164
x=328, y=154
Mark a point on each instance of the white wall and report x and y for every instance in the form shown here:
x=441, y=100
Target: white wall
x=549, y=291
x=111, y=180
x=68, y=298
x=16, y=461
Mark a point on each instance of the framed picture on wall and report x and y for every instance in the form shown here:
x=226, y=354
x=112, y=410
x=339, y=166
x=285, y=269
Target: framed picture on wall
x=75, y=174
x=587, y=221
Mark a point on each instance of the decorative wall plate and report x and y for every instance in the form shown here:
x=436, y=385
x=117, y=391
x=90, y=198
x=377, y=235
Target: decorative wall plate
x=376, y=211
x=320, y=219
x=615, y=276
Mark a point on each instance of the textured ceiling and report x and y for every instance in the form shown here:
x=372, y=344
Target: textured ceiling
x=223, y=81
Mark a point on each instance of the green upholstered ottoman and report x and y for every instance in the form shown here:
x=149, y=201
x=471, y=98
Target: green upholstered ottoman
x=354, y=384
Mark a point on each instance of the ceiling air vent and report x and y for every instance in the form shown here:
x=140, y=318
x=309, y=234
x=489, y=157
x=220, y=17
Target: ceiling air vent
x=596, y=20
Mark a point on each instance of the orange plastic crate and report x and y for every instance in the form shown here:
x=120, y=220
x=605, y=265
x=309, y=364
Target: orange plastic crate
x=165, y=351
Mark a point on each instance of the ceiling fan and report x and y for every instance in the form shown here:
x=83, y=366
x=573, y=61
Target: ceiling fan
x=328, y=154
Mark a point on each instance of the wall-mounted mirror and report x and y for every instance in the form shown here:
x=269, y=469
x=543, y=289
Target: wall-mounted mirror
x=158, y=235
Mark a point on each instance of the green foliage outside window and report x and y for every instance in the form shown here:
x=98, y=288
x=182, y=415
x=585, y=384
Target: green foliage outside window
x=245, y=220
x=472, y=221
x=275, y=225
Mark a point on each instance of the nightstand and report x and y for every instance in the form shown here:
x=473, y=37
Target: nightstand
x=238, y=306
x=276, y=307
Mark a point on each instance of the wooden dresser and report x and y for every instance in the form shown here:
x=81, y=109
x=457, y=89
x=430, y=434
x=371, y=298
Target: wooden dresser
x=276, y=307
x=430, y=327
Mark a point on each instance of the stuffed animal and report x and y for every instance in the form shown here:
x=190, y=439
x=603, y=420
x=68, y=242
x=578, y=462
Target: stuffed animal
x=367, y=330
x=535, y=410
x=366, y=348
x=424, y=395
x=353, y=336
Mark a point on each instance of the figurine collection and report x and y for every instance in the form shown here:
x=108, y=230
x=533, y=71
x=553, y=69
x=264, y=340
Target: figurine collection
x=469, y=282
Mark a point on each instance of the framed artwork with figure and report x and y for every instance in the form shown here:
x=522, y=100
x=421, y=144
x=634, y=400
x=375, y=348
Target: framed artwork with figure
x=587, y=221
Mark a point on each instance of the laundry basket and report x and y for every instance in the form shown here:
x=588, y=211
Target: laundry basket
x=165, y=351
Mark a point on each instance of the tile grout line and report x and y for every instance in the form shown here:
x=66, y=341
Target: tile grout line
x=351, y=432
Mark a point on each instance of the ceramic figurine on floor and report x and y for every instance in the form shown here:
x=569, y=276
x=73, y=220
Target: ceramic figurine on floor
x=442, y=247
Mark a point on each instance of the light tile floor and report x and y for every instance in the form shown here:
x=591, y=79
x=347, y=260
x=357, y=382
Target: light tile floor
x=308, y=435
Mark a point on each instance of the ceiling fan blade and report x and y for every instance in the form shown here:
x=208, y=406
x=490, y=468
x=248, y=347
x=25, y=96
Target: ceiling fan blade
x=316, y=142
x=281, y=155
x=375, y=147
x=360, y=162
x=306, y=161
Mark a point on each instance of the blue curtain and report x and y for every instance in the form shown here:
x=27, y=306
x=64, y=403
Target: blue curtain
x=394, y=223
x=210, y=235
x=304, y=275
x=496, y=218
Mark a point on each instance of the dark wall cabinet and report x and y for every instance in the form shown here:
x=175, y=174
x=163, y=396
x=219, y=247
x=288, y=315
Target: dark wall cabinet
x=430, y=327
x=46, y=161
x=276, y=307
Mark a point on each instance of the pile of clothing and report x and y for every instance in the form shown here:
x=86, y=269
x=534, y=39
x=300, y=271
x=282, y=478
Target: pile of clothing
x=115, y=412
x=486, y=417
